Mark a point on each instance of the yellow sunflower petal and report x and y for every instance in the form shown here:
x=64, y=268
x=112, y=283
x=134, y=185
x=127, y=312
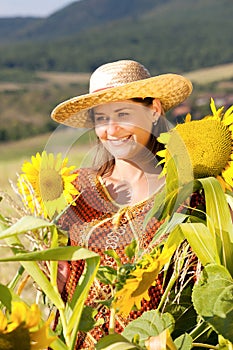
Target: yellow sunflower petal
x=162, y=153
x=51, y=161
x=3, y=322
x=33, y=316
x=59, y=163
x=44, y=165
x=188, y=118
x=228, y=112
x=46, y=184
x=215, y=111
x=206, y=144
x=228, y=120
x=36, y=161
x=41, y=339
x=136, y=288
x=18, y=316
x=64, y=162
x=227, y=175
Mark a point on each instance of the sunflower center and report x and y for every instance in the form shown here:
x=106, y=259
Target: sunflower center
x=208, y=144
x=51, y=184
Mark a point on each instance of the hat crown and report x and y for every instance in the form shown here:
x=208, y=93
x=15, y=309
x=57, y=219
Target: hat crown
x=116, y=74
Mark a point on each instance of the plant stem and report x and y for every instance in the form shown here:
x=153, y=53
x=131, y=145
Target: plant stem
x=112, y=321
x=208, y=346
x=64, y=327
x=167, y=290
x=17, y=277
x=200, y=329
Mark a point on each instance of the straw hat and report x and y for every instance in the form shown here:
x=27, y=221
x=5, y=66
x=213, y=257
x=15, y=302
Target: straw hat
x=117, y=81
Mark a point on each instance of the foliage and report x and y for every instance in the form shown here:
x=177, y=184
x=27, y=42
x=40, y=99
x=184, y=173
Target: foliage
x=212, y=298
x=41, y=234
x=149, y=31
x=132, y=26
x=190, y=313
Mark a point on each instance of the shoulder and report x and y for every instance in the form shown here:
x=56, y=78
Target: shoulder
x=86, y=177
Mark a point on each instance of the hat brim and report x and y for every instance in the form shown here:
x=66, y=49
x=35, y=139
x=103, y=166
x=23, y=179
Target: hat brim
x=170, y=89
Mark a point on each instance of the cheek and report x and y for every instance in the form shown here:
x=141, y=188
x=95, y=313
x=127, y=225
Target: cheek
x=144, y=123
x=144, y=138
x=100, y=132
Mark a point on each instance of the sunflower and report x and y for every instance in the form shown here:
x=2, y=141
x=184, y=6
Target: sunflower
x=202, y=148
x=144, y=276
x=46, y=184
x=24, y=328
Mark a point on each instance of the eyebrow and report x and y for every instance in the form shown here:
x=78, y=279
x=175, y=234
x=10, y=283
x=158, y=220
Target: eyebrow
x=116, y=110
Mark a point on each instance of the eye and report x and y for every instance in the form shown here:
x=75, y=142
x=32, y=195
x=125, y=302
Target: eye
x=123, y=114
x=100, y=119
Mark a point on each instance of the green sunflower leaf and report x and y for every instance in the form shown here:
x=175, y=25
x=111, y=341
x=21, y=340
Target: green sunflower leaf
x=112, y=253
x=35, y=272
x=184, y=342
x=53, y=254
x=130, y=250
x=107, y=274
x=168, y=227
x=164, y=137
x=219, y=220
x=74, y=309
x=202, y=242
x=87, y=321
x=115, y=342
x=25, y=224
x=183, y=312
x=29, y=262
x=213, y=299
x=150, y=324
x=5, y=297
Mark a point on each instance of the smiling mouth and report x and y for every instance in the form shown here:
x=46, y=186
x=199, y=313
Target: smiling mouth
x=119, y=141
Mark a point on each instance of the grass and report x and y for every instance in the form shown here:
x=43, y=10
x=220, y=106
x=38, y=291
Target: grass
x=70, y=142
x=212, y=74
x=77, y=146
x=13, y=79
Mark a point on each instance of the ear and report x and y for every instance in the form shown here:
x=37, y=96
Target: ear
x=157, y=109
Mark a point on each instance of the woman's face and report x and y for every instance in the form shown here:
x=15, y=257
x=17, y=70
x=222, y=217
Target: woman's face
x=124, y=127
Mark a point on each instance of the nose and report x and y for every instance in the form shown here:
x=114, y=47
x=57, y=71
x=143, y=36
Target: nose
x=112, y=127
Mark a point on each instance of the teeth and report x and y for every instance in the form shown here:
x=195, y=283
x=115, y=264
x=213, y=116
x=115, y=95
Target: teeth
x=120, y=139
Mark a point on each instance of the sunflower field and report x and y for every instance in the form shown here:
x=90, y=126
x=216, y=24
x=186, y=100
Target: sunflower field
x=198, y=158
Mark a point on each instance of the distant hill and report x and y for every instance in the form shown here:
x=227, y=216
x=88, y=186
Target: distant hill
x=165, y=35
x=27, y=98
x=41, y=58
x=73, y=19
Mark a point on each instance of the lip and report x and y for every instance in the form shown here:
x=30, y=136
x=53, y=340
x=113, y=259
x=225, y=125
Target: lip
x=119, y=141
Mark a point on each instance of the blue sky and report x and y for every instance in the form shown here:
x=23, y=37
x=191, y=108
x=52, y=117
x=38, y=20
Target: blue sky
x=12, y=8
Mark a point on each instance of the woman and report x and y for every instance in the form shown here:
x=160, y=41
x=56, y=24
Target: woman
x=126, y=108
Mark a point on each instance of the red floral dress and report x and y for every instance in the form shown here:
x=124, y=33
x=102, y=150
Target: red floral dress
x=98, y=223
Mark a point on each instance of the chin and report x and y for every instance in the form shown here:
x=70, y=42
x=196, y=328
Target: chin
x=126, y=153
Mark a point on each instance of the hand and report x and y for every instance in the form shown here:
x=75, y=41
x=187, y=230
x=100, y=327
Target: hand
x=62, y=274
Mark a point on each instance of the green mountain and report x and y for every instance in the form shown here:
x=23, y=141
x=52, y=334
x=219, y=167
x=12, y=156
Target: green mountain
x=165, y=35
x=75, y=18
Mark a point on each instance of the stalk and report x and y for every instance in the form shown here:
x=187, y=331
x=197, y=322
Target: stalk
x=112, y=320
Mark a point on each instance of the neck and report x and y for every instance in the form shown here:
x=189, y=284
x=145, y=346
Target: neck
x=129, y=183
x=128, y=170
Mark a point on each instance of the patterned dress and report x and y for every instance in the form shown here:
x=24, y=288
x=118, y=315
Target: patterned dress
x=98, y=223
